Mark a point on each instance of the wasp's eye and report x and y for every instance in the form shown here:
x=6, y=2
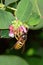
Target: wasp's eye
x=24, y=37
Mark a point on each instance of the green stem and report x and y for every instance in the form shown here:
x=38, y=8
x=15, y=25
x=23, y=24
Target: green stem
x=11, y=8
x=8, y=6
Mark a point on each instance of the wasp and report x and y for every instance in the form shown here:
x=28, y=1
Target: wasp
x=21, y=42
x=21, y=37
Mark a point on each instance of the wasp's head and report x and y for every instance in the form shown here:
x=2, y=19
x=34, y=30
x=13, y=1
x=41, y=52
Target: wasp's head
x=24, y=36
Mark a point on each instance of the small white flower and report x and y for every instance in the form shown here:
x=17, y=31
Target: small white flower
x=11, y=35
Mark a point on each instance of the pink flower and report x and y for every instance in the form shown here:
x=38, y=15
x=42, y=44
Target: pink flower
x=11, y=27
x=11, y=34
x=23, y=29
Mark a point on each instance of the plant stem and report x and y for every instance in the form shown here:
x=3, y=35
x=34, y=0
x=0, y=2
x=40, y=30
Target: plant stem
x=11, y=8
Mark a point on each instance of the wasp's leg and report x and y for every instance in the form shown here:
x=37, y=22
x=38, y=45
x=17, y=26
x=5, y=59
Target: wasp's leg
x=16, y=36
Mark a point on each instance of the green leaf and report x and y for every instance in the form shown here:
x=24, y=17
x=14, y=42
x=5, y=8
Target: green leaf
x=7, y=2
x=5, y=19
x=24, y=10
x=34, y=19
x=40, y=5
x=35, y=6
x=39, y=26
x=4, y=33
x=12, y=60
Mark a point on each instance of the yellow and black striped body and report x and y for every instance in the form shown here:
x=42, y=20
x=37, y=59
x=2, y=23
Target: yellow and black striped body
x=21, y=41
